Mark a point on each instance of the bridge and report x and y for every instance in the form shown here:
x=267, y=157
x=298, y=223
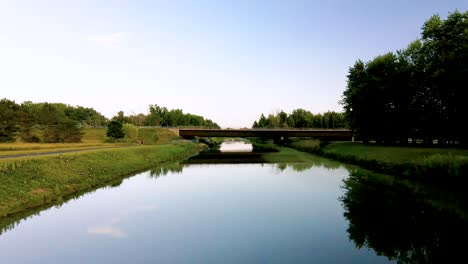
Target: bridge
x=325, y=134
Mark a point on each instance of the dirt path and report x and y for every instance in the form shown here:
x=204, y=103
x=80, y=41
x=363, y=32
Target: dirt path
x=56, y=152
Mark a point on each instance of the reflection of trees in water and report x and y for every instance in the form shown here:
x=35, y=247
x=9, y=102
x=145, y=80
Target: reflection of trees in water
x=302, y=166
x=396, y=222
x=165, y=169
x=10, y=222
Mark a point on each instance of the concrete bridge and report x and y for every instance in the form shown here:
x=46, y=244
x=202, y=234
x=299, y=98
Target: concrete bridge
x=325, y=134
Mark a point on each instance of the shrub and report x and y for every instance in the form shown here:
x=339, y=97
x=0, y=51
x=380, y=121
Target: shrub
x=115, y=130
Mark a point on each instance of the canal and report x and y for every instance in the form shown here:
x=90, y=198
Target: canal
x=239, y=210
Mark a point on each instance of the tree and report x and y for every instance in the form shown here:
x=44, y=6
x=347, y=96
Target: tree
x=70, y=131
x=445, y=44
x=262, y=122
x=416, y=93
x=8, y=120
x=300, y=118
x=282, y=119
x=161, y=116
x=115, y=129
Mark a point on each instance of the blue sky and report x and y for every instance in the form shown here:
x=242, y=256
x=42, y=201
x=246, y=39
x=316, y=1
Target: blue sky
x=226, y=60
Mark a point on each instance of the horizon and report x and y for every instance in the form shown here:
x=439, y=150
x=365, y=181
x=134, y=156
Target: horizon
x=148, y=112
x=228, y=62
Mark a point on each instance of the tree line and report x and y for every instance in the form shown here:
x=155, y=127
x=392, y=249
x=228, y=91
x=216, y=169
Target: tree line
x=157, y=116
x=45, y=122
x=300, y=118
x=161, y=116
x=58, y=122
x=416, y=94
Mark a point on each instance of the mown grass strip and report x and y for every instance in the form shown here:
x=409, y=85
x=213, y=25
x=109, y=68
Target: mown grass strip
x=434, y=164
x=5, y=147
x=6, y=154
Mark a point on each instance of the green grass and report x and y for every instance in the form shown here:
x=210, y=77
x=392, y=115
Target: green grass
x=92, y=138
x=436, y=164
x=308, y=145
x=156, y=135
x=31, y=182
x=9, y=149
x=148, y=136
x=94, y=135
x=17, y=146
x=390, y=153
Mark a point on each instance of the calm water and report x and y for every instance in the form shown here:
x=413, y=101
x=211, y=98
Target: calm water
x=227, y=213
x=236, y=146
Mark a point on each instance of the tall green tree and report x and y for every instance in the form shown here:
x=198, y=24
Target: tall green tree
x=415, y=93
x=300, y=118
x=8, y=120
x=115, y=129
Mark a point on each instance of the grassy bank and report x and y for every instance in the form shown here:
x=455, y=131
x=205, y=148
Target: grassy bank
x=149, y=136
x=92, y=138
x=411, y=162
x=31, y=182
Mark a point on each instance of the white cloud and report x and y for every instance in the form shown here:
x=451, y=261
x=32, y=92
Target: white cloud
x=147, y=208
x=109, y=231
x=109, y=39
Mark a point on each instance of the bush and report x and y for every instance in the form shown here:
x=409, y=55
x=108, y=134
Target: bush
x=115, y=130
x=131, y=132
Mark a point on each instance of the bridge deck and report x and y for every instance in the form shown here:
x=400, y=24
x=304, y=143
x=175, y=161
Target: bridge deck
x=329, y=134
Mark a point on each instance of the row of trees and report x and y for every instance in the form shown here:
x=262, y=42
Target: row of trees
x=57, y=122
x=300, y=118
x=45, y=122
x=416, y=93
x=161, y=116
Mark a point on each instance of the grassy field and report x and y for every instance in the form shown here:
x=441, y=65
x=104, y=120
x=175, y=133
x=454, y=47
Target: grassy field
x=390, y=153
x=9, y=149
x=411, y=162
x=308, y=145
x=94, y=135
x=30, y=182
x=92, y=138
x=156, y=135
x=44, y=146
x=148, y=136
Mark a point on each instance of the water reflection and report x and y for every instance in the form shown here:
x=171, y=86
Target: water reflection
x=207, y=214
x=400, y=222
x=109, y=231
x=226, y=158
x=10, y=222
x=162, y=170
x=113, y=228
x=408, y=224
x=314, y=161
x=235, y=146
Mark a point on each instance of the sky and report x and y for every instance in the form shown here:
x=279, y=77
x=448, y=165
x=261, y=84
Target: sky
x=228, y=61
